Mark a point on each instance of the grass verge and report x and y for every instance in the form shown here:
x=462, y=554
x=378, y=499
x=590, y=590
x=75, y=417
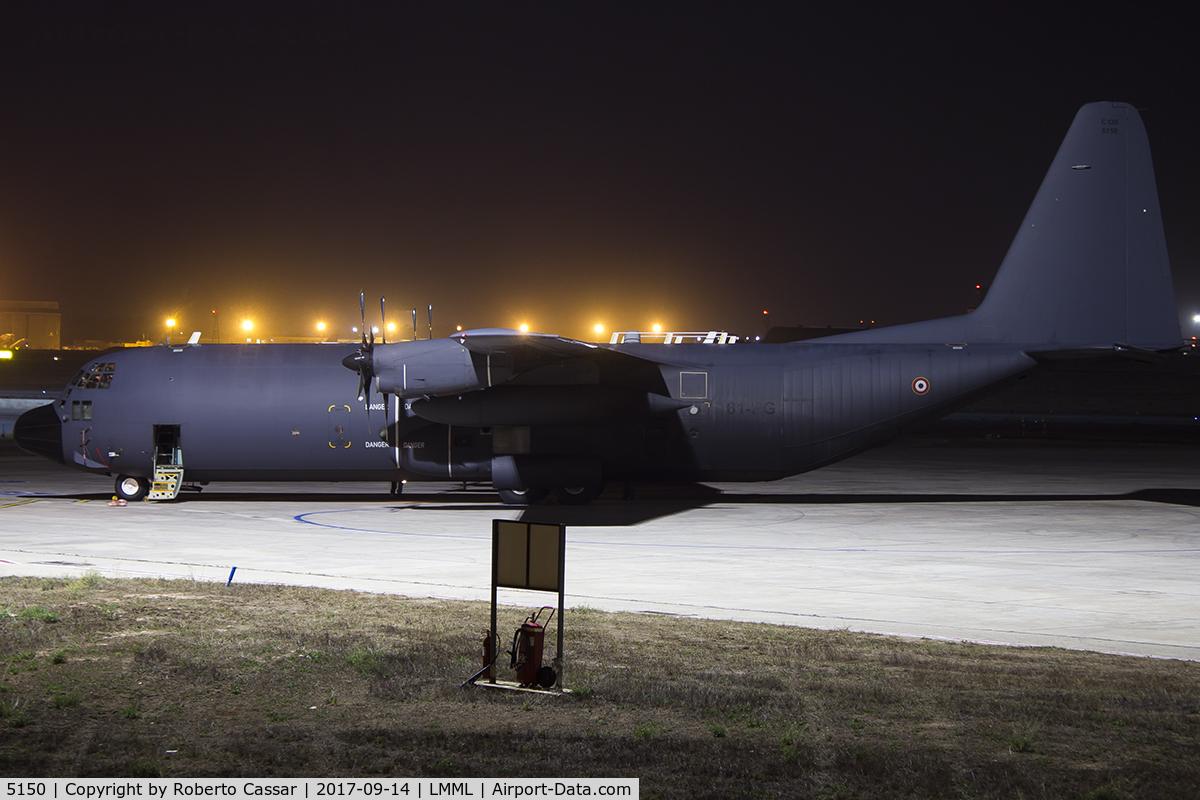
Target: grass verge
x=176, y=678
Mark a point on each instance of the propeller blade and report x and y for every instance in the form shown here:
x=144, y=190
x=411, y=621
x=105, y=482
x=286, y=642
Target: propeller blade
x=362, y=314
x=383, y=340
x=387, y=414
x=361, y=361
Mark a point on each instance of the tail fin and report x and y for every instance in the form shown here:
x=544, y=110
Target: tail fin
x=1089, y=265
x=1088, y=268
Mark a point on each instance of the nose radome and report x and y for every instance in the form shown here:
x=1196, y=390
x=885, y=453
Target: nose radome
x=39, y=432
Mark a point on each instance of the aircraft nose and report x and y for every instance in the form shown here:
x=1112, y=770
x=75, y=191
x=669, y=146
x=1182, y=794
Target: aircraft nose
x=39, y=432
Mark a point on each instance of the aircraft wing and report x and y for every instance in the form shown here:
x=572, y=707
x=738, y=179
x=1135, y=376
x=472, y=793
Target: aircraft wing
x=530, y=358
x=482, y=359
x=488, y=341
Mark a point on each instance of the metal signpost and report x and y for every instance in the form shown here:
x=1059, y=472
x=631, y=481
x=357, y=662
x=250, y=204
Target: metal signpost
x=532, y=556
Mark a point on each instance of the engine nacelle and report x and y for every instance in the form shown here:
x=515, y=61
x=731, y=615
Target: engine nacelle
x=545, y=405
x=426, y=367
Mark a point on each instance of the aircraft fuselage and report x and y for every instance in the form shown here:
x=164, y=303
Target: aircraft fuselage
x=743, y=412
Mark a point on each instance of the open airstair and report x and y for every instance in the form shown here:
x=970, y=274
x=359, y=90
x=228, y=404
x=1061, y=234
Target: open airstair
x=168, y=464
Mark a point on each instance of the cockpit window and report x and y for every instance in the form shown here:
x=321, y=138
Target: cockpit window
x=97, y=376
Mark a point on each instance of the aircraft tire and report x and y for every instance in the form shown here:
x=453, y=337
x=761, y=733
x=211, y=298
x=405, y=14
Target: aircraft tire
x=577, y=495
x=523, y=497
x=131, y=489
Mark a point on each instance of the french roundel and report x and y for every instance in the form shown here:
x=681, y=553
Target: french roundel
x=920, y=385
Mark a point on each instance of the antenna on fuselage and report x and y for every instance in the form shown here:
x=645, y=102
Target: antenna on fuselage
x=414, y=324
x=431, y=320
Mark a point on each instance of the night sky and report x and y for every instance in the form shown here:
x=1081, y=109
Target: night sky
x=560, y=164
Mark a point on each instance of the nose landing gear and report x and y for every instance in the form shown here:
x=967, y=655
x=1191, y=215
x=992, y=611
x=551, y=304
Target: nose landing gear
x=129, y=488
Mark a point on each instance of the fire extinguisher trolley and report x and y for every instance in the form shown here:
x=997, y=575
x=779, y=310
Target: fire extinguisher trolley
x=531, y=556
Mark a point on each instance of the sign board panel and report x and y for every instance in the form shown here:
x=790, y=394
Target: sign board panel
x=528, y=555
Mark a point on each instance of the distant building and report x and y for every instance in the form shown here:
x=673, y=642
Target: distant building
x=30, y=323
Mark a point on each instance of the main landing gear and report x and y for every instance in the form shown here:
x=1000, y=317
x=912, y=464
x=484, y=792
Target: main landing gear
x=563, y=495
x=577, y=495
x=522, y=497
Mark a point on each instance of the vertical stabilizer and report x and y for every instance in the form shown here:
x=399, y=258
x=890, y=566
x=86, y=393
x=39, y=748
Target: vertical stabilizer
x=1088, y=268
x=1089, y=265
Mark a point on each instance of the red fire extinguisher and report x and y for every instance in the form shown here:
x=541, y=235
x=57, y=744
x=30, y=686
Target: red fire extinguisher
x=489, y=672
x=526, y=653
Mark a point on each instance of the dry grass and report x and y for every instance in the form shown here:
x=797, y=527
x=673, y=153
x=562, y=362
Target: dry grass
x=144, y=678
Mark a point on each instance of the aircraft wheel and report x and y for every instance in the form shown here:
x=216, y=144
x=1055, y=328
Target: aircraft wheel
x=129, y=488
x=523, y=497
x=577, y=495
x=397, y=488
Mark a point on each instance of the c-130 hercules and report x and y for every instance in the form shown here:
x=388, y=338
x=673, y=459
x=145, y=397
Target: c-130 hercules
x=1087, y=273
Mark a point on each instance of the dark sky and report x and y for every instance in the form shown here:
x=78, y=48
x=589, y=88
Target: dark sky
x=557, y=163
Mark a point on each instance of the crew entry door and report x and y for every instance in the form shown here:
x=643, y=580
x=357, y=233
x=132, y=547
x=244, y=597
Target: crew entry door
x=168, y=463
x=166, y=446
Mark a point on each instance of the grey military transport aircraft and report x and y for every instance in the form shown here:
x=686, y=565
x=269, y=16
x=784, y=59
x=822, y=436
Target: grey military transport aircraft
x=1087, y=274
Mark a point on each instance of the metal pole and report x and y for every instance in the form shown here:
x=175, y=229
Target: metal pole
x=562, y=572
x=495, y=577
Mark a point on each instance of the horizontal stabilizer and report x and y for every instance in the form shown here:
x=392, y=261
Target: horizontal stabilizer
x=1122, y=351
